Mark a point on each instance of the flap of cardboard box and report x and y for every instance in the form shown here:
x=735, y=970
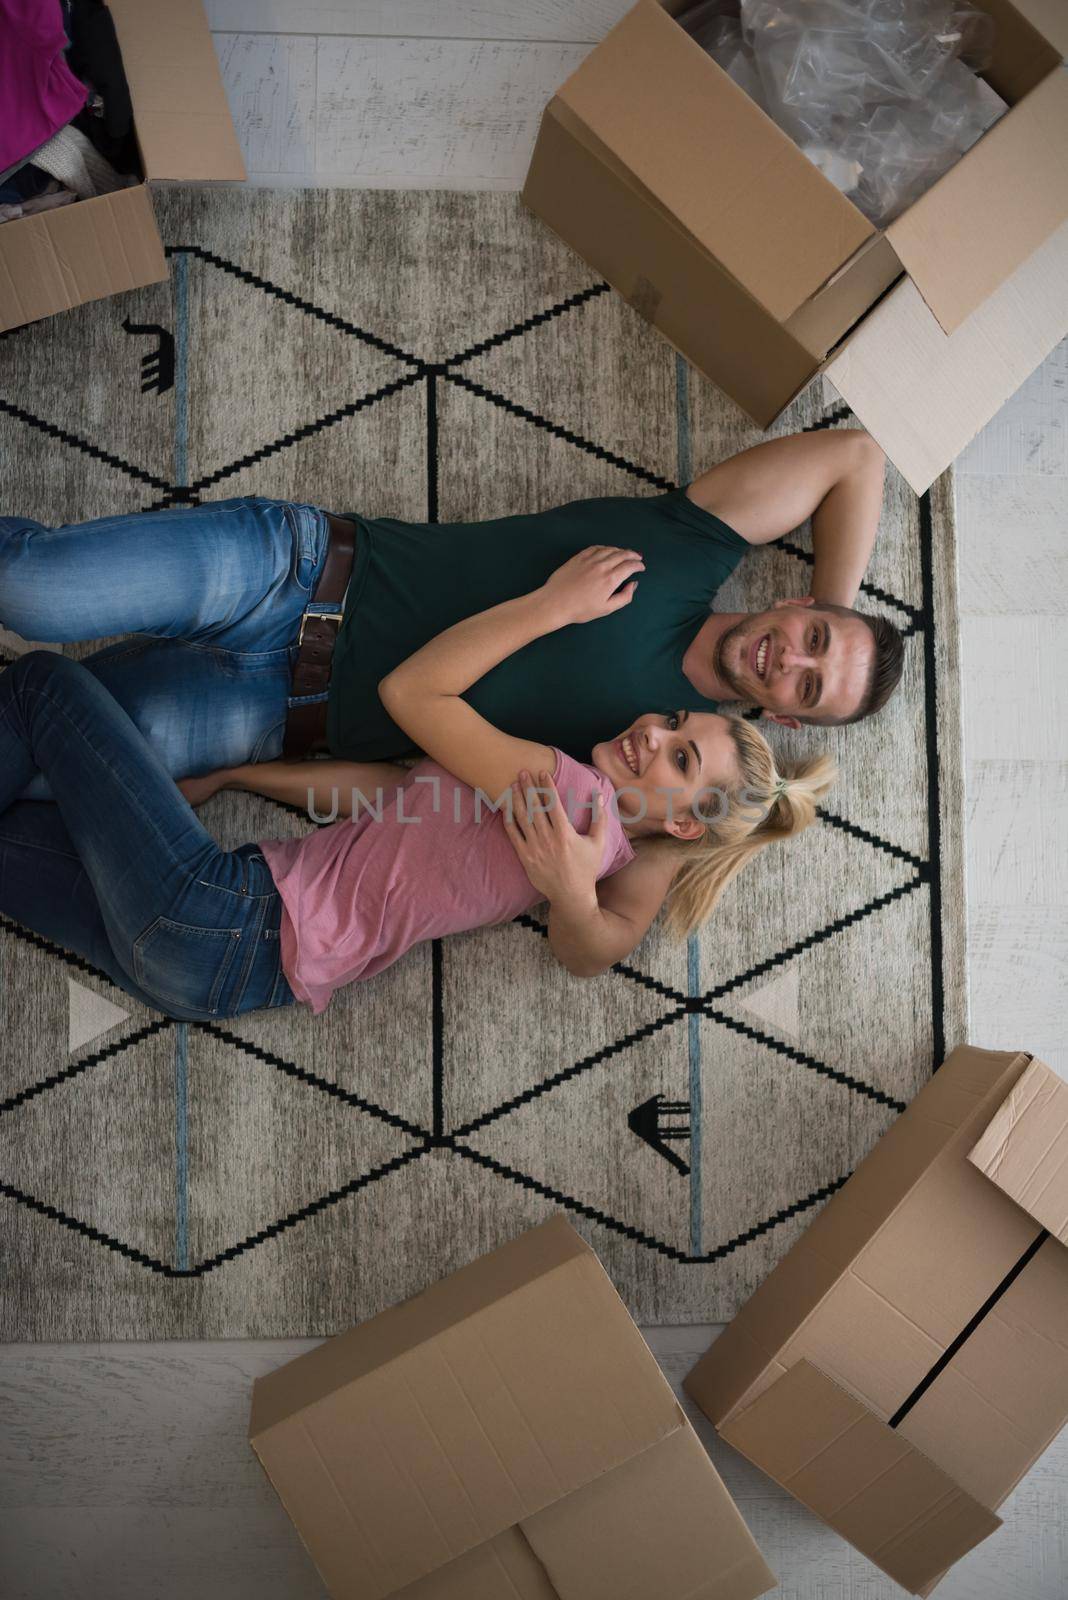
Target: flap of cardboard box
x=504, y=1568
x=1025, y=1148
x=402, y=1328
x=707, y=153
x=181, y=115
x=62, y=258
x=923, y=393
x=872, y=1486
x=1050, y=17
x=404, y=1443
x=661, y=1524
x=956, y=242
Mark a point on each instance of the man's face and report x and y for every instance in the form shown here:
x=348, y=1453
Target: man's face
x=798, y=660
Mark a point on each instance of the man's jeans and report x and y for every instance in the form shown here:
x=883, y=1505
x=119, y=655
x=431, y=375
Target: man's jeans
x=214, y=594
x=117, y=867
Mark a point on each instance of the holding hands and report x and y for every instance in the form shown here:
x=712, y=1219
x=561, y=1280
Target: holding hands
x=561, y=863
x=584, y=588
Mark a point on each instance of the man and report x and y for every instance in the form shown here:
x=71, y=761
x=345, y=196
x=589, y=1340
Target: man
x=264, y=627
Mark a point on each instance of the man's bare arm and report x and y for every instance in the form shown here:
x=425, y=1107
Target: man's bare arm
x=834, y=476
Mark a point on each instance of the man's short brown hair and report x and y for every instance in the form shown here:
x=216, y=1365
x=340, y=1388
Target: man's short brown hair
x=888, y=660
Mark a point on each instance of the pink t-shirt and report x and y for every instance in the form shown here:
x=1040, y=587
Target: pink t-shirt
x=38, y=91
x=357, y=894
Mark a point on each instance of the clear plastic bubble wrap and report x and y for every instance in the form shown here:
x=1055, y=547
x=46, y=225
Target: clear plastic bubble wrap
x=882, y=95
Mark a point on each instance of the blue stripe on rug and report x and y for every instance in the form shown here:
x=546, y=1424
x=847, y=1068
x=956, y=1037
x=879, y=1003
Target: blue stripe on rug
x=180, y=268
x=181, y=1145
x=693, y=962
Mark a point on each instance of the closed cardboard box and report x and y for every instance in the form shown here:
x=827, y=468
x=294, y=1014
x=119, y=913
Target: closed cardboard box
x=907, y=1361
x=709, y=220
x=54, y=260
x=505, y=1436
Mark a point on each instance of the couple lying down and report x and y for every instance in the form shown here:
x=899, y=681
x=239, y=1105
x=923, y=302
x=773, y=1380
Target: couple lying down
x=121, y=870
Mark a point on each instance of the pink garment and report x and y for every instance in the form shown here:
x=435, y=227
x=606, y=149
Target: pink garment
x=358, y=894
x=38, y=91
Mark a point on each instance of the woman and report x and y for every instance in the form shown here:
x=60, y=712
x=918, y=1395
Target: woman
x=120, y=870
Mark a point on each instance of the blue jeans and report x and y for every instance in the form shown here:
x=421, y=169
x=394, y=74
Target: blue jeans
x=213, y=595
x=118, y=868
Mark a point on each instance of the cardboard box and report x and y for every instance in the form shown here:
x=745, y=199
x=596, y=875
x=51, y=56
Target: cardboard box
x=506, y=1435
x=907, y=1361
x=54, y=260
x=710, y=221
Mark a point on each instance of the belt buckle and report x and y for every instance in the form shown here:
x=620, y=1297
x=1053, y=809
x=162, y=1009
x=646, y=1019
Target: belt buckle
x=324, y=616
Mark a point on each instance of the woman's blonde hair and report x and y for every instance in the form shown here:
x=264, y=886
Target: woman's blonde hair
x=771, y=802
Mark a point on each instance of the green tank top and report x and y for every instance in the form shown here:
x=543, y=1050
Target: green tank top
x=571, y=688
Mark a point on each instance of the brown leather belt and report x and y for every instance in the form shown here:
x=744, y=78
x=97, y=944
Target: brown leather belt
x=305, y=733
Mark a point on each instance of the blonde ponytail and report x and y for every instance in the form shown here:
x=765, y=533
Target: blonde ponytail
x=771, y=804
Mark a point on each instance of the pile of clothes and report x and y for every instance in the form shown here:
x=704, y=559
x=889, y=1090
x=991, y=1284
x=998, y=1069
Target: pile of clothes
x=66, y=122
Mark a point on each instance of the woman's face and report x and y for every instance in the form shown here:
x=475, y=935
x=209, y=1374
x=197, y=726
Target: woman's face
x=663, y=764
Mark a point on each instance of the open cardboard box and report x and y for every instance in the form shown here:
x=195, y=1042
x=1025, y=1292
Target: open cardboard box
x=710, y=221
x=506, y=1435
x=54, y=260
x=907, y=1360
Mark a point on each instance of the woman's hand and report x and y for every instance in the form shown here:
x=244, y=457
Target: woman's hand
x=197, y=790
x=584, y=588
x=560, y=863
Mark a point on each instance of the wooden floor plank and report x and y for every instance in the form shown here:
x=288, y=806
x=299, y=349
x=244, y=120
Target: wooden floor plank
x=1017, y=827
x=1013, y=544
x=1014, y=680
x=556, y=20
x=400, y=113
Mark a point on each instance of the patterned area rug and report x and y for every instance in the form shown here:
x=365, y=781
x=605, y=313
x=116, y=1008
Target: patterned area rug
x=440, y=356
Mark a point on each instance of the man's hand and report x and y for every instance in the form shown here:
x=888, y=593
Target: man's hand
x=197, y=790
x=584, y=588
x=561, y=863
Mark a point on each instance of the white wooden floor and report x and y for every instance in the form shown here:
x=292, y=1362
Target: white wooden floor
x=125, y=1474
x=124, y=1471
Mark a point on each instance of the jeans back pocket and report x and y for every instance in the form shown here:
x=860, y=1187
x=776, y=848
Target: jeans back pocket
x=183, y=965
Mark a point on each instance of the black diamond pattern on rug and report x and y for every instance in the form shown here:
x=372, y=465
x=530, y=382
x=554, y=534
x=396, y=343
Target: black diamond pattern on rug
x=469, y=1052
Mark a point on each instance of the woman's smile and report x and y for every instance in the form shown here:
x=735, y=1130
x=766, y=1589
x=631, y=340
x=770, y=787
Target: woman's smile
x=628, y=753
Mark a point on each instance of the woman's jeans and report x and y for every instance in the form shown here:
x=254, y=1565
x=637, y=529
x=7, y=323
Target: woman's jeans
x=214, y=595
x=118, y=868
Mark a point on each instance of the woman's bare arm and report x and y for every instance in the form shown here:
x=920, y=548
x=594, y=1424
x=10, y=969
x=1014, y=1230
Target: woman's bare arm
x=315, y=786
x=592, y=924
x=589, y=933
x=423, y=694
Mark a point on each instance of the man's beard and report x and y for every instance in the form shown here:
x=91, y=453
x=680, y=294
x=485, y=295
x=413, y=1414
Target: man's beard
x=719, y=661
